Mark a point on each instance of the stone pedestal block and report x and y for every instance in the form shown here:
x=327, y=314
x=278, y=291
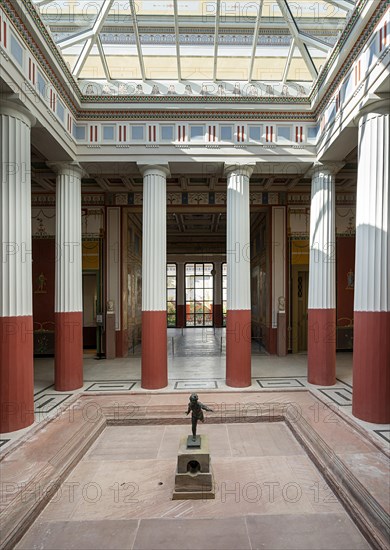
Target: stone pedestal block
x=281, y=345
x=110, y=336
x=194, y=477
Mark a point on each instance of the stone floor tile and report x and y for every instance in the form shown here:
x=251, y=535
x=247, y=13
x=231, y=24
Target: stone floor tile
x=80, y=535
x=195, y=534
x=305, y=532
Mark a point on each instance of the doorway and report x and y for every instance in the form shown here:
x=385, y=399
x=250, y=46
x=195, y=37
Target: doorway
x=300, y=305
x=199, y=292
x=90, y=303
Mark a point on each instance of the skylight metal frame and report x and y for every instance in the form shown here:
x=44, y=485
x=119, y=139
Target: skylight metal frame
x=300, y=39
x=177, y=38
x=137, y=39
x=90, y=42
x=216, y=38
x=294, y=30
x=255, y=40
x=346, y=5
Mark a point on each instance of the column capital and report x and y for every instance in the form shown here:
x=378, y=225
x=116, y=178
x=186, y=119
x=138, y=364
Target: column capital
x=67, y=168
x=374, y=105
x=158, y=169
x=239, y=169
x=327, y=167
x=10, y=108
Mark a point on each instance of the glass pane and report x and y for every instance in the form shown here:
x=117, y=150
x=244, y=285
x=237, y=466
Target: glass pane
x=199, y=294
x=208, y=269
x=190, y=282
x=199, y=282
x=208, y=294
x=171, y=294
x=199, y=269
x=208, y=281
x=190, y=307
x=199, y=320
x=190, y=269
x=198, y=307
x=171, y=269
x=190, y=295
x=171, y=320
x=224, y=294
x=190, y=320
x=208, y=307
x=171, y=307
x=224, y=308
x=224, y=269
x=208, y=320
x=171, y=282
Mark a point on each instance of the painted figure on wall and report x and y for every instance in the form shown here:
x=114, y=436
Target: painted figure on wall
x=41, y=279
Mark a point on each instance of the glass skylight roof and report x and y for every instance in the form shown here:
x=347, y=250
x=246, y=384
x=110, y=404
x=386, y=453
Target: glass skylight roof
x=195, y=47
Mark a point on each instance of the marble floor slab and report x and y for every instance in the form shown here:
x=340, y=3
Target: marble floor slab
x=269, y=495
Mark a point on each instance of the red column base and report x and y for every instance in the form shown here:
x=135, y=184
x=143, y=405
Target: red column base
x=238, y=348
x=180, y=316
x=321, y=347
x=154, y=364
x=16, y=373
x=122, y=343
x=218, y=315
x=68, y=362
x=371, y=366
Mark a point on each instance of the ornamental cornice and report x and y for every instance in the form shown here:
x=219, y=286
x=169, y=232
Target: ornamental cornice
x=351, y=58
x=9, y=9
x=180, y=115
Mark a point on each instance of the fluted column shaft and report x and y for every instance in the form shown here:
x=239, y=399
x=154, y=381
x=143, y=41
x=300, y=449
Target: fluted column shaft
x=238, y=320
x=371, y=354
x=321, y=354
x=154, y=372
x=16, y=321
x=68, y=279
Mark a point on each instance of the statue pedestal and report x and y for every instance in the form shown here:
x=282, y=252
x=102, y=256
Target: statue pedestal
x=110, y=344
x=281, y=342
x=194, y=477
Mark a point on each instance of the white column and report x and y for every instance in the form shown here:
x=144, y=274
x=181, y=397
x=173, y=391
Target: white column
x=16, y=322
x=68, y=305
x=154, y=262
x=371, y=355
x=322, y=277
x=238, y=323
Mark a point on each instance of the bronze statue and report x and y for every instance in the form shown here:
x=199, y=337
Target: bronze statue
x=195, y=407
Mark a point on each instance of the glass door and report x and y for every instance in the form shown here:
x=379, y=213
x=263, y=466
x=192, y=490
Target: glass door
x=171, y=294
x=199, y=294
